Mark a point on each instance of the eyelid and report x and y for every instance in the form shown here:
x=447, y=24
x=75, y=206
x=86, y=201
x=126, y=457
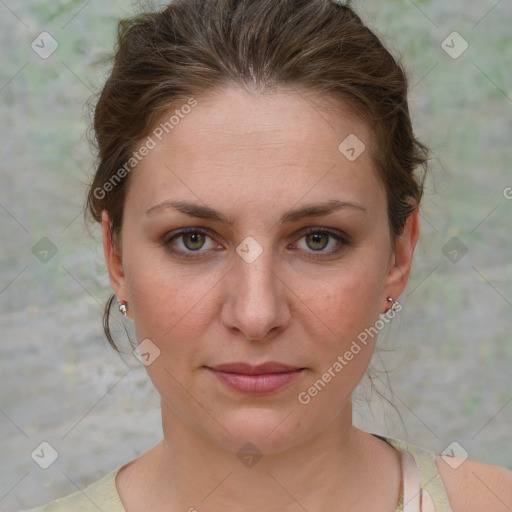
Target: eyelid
x=170, y=237
x=338, y=235
x=330, y=231
x=341, y=237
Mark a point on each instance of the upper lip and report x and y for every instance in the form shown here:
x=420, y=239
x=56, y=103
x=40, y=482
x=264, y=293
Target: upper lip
x=245, y=368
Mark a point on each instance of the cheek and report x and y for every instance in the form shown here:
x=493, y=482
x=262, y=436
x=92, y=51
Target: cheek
x=342, y=313
x=340, y=318
x=345, y=302
x=168, y=302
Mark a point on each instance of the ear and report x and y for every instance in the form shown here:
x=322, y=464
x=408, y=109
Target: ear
x=401, y=260
x=113, y=259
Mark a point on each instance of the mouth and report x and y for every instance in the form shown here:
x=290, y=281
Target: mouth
x=265, y=378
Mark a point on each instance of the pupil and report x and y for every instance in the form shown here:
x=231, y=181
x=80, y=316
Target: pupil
x=195, y=238
x=317, y=239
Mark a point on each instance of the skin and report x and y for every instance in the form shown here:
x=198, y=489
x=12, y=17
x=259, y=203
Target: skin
x=254, y=158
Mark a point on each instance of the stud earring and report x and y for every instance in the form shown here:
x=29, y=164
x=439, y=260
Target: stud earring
x=122, y=307
x=395, y=305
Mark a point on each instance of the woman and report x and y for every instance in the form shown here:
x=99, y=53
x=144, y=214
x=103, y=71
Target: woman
x=258, y=192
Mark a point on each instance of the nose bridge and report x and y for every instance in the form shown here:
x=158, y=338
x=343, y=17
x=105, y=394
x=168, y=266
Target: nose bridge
x=257, y=301
x=255, y=269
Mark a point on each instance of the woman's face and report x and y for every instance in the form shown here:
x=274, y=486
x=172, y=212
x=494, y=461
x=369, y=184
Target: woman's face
x=288, y=260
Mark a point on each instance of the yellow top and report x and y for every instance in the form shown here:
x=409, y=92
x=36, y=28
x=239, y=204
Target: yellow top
x=422, y=487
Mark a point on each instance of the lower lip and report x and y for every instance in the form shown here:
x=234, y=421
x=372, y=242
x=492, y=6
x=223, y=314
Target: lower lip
x=262, y=383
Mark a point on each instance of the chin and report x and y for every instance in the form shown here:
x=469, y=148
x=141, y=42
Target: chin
x=265, y=431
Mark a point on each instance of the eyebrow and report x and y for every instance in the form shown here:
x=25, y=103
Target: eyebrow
x=205, y=212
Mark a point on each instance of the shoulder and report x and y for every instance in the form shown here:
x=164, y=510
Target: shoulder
x=468, y=485
x=100, y=495
x=474, y=486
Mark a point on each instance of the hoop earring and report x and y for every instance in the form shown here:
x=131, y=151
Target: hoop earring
x=122, y=306
x=395, y=305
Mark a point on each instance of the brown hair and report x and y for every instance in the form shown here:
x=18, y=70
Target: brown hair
x=164, y=58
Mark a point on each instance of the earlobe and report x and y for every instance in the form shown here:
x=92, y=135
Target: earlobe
x=112, y=258
x=398, y=274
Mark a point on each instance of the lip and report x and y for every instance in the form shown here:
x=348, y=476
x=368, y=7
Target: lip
x=264, y=378
x=260, y=369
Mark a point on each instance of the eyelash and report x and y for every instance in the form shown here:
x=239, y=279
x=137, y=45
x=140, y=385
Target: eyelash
x=342, y=239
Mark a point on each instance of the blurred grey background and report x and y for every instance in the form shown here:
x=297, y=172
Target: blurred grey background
x=447, y=356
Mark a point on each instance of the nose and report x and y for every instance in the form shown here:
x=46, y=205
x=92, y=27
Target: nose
x=257, y=302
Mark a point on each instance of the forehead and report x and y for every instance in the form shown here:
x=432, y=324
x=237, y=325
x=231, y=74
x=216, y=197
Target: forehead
x=287, y=142
x=285, y=119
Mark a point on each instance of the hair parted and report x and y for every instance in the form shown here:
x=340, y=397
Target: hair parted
x=163, y=59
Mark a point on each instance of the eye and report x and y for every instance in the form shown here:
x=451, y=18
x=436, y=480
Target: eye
x=318, y=239
x=189, y=241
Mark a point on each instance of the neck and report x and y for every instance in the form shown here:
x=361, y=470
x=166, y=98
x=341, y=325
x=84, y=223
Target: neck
x=191, y=472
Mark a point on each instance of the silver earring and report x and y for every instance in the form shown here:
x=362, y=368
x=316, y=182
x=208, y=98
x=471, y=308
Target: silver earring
x=122, y=307
x=394, y=304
